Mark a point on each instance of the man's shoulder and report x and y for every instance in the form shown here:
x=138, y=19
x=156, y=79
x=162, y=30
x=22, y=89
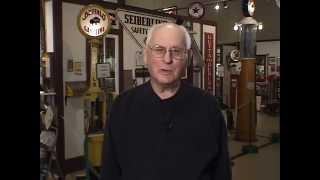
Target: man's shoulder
x=132, y=92
x=199, y=93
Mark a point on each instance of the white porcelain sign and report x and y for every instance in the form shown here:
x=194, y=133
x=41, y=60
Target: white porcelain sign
x=93, y=21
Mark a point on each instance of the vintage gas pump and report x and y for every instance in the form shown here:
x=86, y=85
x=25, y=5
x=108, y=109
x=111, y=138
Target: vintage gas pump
x=94, y=23
x=246, y=118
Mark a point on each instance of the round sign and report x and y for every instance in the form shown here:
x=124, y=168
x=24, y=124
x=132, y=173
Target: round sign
x=248, y=7
x=235, y=55
x=196, y=10
x=93, y=21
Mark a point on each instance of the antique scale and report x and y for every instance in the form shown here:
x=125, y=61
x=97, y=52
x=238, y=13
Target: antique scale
x=94, y=24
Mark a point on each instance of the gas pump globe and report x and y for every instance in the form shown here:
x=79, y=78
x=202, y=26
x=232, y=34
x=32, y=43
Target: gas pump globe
x=247, y=29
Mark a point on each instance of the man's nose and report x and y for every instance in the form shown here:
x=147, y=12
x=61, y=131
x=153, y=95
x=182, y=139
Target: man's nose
x=167, y=57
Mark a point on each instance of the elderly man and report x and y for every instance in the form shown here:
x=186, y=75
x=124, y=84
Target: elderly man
x=166, y=129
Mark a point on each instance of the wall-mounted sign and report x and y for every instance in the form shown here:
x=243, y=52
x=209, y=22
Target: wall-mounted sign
x=196, y=10
x=139, y=23
x=208, y=46
x=93, y=21
x=235, y=55
x=135, y=28
x=103, y=70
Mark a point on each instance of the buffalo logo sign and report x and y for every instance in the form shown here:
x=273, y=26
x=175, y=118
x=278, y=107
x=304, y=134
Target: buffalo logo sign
x=93, y=21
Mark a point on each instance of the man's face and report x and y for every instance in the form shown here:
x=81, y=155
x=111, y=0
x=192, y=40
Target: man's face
x=166, y=70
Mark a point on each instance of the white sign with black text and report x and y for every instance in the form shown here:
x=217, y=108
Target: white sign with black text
x=136, y=26
x=103, y=70
x=139, y=23
x=93, y=21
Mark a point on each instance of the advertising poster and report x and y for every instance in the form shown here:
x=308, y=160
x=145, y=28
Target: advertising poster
x=208, y=48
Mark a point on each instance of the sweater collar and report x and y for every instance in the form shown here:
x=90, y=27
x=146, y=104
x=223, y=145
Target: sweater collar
x=180, y=94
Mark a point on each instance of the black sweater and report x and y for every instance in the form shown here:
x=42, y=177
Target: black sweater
x=180, y=138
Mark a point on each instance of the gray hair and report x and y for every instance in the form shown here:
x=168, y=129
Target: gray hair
x=158, y=26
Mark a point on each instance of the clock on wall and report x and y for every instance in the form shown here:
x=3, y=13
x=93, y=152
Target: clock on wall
x=248, y=7
x=196, y=10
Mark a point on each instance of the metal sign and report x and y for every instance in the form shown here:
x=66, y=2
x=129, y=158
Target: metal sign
x=93, y=21
x=196, y=10
x=138, y=23
x=208, y=46
x=103, y=70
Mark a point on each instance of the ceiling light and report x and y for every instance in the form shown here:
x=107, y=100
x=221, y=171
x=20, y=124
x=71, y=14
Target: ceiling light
x=217, y=7
x=236, y=27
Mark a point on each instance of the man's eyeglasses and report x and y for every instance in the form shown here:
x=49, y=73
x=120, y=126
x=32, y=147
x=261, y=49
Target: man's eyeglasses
x=160, y=51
